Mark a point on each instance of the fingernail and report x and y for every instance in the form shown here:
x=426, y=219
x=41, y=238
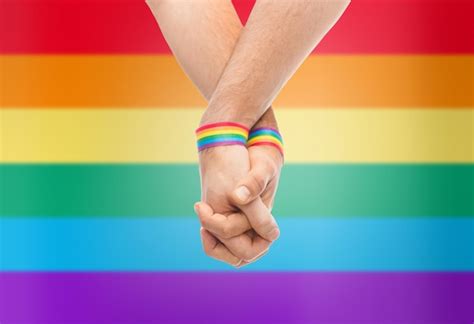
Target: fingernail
x=274, y=234
x=196, y=208
x=242, y=193
x=238, y=264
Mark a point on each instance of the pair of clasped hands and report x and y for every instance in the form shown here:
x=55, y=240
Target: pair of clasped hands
x=238, y=188
x=240, y=71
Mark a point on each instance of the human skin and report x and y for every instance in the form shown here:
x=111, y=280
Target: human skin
x=278, y=37
x=212, y=31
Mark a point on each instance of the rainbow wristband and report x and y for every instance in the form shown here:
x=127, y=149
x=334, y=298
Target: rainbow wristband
x=221, y=134
x=266, y=136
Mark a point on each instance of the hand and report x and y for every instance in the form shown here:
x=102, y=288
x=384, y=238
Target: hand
x=266, y=163
x=227, y=234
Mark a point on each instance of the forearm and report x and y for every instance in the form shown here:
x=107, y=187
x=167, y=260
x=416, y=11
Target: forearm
x=278, y=36
x=202, y=35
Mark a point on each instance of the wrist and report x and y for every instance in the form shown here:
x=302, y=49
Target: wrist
x=228, y=112
x=221, y=134
x=217, y=130
x=266, y=136
x=267, y=120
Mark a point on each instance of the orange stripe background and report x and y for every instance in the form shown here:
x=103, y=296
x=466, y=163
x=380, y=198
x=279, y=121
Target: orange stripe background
x=420, y=81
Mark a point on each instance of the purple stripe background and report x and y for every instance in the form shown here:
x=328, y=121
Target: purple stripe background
x=237, y=297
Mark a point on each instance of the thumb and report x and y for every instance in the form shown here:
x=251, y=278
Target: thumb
x=252, y=186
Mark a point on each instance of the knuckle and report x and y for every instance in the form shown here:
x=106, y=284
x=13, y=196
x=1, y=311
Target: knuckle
x=227, y=231
x=205, y=221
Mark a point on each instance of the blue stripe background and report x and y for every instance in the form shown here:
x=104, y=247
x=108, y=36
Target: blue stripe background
x=173, y=244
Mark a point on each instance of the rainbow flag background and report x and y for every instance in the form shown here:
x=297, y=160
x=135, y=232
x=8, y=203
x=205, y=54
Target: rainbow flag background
x=376, y=207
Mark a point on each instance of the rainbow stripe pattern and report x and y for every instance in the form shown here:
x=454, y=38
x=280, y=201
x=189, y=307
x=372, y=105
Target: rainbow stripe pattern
x=375, y=204
x=266, y=136
x=221, y=134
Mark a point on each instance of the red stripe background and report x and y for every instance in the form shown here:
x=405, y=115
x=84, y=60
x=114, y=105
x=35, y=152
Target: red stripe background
x=127, y=26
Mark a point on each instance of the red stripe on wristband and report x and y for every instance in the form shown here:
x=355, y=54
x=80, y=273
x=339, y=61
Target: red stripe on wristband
x=269, y=144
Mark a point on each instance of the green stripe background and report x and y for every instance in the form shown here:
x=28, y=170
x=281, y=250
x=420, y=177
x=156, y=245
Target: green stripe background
x=381, y=190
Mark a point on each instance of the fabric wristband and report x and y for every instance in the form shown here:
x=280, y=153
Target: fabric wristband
x=265, y=136
x=221, y=134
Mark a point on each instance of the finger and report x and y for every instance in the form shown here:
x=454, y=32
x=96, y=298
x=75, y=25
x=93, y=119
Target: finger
x=243, y=245
x=246, y=247
x=223, y=226
x=252, y=186
x=268, y=195
x=215, y=249
x=261, y=220
x=244, y=263
x=258, y=257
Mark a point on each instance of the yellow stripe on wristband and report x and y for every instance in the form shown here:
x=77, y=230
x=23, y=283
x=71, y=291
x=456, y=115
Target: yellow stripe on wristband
x=221, y=134
x=220, y=130
x=263, y=138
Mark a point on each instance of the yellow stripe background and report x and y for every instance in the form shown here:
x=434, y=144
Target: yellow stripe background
x=167, y=135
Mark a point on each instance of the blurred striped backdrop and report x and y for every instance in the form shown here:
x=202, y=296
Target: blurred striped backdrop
x=376, y=207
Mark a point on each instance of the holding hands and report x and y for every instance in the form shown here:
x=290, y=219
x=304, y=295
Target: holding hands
x=238, y=188
x=240, y=70
x=237, y=226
